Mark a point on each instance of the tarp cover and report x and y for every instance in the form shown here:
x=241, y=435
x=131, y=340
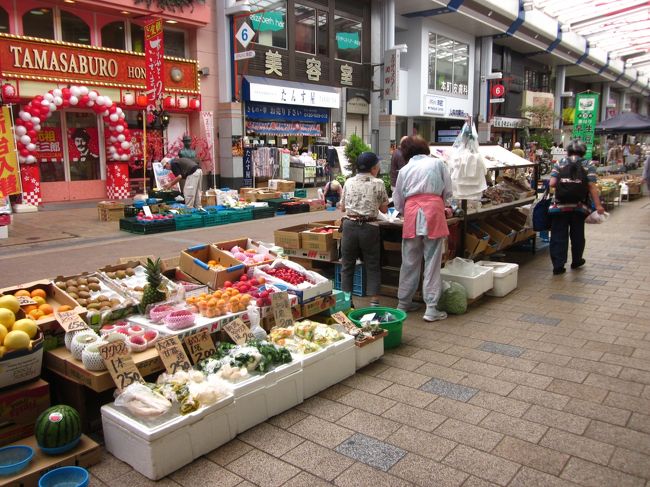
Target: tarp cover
x=627, y=122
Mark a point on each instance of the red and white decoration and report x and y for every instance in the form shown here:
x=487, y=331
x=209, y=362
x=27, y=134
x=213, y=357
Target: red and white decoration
x=28, y=124
x=117, y=181
x=31, y=181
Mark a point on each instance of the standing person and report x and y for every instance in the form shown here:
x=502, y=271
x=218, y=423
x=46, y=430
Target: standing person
x=422, y=187
x=189, y=172
x=646, y=172
x=397, y=162
x=518, y=150
x=574, y=180
x=364, y=195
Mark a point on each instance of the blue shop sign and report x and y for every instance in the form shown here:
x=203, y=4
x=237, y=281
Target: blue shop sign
x=285, y=113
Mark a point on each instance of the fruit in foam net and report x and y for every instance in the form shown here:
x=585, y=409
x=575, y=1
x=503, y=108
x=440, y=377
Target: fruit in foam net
x=10, y=302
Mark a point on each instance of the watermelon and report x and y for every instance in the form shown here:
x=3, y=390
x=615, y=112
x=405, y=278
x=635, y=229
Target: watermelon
x=58, y=427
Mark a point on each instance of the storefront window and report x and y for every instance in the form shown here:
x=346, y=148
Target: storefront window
x=39, y=22
x=348, y=39
x=270, y=23
x=83, y=146
x=49, y=150
x=4, y=21
x=323, y=36
x=74, y=28
x=137, y=38
x=536, y=81
x=305, y=29
x=174, y=43
x=113, y=35
x=448, y=65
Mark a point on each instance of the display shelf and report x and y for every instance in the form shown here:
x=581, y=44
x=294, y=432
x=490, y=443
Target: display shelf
x=200, y=323
x=492, y=209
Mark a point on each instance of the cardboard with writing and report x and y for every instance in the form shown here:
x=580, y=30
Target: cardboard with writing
x=200, y=345
x=172, y=354
x=120, y=364
x=281, y=309
x=238, y=331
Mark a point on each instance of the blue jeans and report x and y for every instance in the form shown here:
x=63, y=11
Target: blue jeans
x=565, y=225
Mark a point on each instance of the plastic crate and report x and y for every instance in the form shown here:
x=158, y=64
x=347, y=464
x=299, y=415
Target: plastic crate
x=213, y=218
x=276, y=203
x=146, y=228
x=295, y=208
x=130, y=211
x=166, y=196
x=259, y=213
x=192, y=220
x=359, y=282
x=300, y=193
x=241, y=215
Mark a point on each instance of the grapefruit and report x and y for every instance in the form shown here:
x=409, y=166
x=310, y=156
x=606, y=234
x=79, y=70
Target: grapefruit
x=3, y=333
x=7, y=318
x=9, y=302
x=28, y=326
x=17, y=340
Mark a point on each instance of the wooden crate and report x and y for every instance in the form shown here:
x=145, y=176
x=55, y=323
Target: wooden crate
x=110, y=211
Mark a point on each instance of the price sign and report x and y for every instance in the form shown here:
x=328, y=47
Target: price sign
x=238, y=331
x=172, y=354
x=200, y=345
x=147, y=211
x=70, y=321
x=120, y=364
x=281, y=309
x=25, y=300
x=344, y=321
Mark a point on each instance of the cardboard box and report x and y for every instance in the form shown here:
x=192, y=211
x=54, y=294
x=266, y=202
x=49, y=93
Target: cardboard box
x=86, y=454
x=334, y=225
x=19, y=408
x=194, y=261
x=312, y=239
x=110, y=211
x=326, y=256
x=61, y=362
x=282, y=185
x=246, y=244
x=192, y=286
x=314, y=204
x=501, y=238
x=318, y=305
x=497, y=223
x=290, y=237
x=209, y=200
x=17, y=366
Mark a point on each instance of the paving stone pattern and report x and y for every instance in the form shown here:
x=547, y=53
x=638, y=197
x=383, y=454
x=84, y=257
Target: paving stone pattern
x=548, y=386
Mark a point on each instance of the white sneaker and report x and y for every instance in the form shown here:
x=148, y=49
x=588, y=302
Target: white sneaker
x=435, y=316
x=408, y=307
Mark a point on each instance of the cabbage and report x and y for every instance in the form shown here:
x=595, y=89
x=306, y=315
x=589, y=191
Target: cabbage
x=453, y=299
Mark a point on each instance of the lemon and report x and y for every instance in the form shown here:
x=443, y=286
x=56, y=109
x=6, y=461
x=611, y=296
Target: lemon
x=10, y=302
x=28, y=326
x=3, y=350
x=7, y=318
x=3, y=333
x=17, y=340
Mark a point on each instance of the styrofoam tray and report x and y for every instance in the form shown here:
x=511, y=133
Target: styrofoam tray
x=200, y=322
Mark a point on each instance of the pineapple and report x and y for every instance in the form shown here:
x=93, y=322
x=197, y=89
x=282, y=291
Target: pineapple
x=152, y=290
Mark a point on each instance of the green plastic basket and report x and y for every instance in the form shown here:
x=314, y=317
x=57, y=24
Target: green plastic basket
x=394, y=328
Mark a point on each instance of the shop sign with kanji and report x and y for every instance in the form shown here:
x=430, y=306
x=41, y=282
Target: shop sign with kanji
x=9, y=174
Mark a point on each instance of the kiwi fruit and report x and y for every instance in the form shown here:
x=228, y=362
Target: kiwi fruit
x=83, y=294
x=93, y=306
x=70, y=283
x=138, y=288
x=115, y=301
x=82, y=287
x=93, y=286
x=110, y=275
x=101, y=298
x=82, y=281
x=82, y=301
x=93, y=280
x=72, y=289
x=120, y=274
x=73, y=295
x=60, y=284
x=129, y=271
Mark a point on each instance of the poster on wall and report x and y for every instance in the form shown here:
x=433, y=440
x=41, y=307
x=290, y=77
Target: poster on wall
x=586, y=117
x=9, y=174
x=83, y=151
x=49, y=145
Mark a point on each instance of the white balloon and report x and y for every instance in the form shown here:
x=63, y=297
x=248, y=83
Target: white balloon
x=73, y=99
x=20, y=130
x=26, y=116
x=37, y=127
x=112, y=139
x=125, y=145
x=22, y=158
x=48, y=96
x=120, y=128
x=118, y=110
x=75, y=91
x=112, y=150
x=25, y=139
x=83, y=90
x=109, y=102
x=30, y=159
x=101, y=100
x=93, y=95
x=57, y=92
x=114, y=117
x=58, y=101
x=121, y=137
x=52, y=107
x=105, y=113
x=45, y=102
x=125, y=157
x=35, y=120
x=31, y=147
x=90, y=104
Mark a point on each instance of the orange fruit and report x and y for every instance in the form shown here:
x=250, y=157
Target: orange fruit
x=40, y=300
x=22, y=292
x=38, y=292
x=63, y=308
x=46, y=308
x=221, y=303
x=31, y=307
x=36, y=314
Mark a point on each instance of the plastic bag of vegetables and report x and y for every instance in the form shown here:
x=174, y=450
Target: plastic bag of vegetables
x=453, y=299
x=142, y=402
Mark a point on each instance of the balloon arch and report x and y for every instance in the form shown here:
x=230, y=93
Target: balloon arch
x=30, y=118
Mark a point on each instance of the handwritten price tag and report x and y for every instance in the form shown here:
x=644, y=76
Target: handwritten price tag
x=238, y=331
x=200, y=345
x=120, y=364
x=172, y=354
x=70, y=321
x=281, y=309
x=25, y=300
x=344, y=321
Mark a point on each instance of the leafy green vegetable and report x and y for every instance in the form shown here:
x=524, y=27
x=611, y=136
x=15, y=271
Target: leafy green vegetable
x=453, y=299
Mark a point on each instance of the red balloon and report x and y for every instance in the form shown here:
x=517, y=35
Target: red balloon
x=32, y=134
x=45, y=110
x=126, y=133
x=38, y=99
x=24, y=152
x=113, y=108
x=65, y=92
x=27, y=124
x=83, y=100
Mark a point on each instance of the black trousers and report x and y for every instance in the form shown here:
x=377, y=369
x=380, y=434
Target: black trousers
x=360, y=240
x=565, y=225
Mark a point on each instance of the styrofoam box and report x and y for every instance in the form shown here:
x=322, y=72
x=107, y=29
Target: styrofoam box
x=285, y=388
x=505, y=277
x=368, y=354
x=251, y=402
x=156, y=451
x=475, y=286
x=322, y=370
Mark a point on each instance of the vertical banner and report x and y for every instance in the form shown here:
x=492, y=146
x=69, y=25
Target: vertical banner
x=247, y=162
x=207, y=118
x=117, y=181
x=391, y=74
x=153, y=54
x=586, y=117
x=9, y=174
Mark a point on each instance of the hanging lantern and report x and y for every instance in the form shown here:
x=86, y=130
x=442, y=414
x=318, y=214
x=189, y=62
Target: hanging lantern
x=142, y=100
x=195, y=103
x=169, y=102
x=182, y=101
x=128, y=98
x=9, y=93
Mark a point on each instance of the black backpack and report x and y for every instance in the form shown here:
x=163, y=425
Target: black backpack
x=572, y=183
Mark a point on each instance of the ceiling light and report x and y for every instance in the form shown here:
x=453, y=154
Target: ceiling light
x=69, y=1
x=171, y=21
x=124, y=12
x=38, y=11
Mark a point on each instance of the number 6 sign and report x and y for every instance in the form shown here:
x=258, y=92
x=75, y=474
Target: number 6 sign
x=245, y=35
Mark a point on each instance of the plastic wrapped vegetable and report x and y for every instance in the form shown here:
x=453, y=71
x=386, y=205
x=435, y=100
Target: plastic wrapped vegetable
x=142, y=401
x=453, y=299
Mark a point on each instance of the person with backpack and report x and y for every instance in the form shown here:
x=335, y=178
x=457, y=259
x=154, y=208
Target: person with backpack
x=574, y=180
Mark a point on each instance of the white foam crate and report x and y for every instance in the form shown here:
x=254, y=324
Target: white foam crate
x=331, y=369
x=251, y=402
x=284, y=393
x=505, y=277
x=161, y=448
x=369, y=353
x=475, y=285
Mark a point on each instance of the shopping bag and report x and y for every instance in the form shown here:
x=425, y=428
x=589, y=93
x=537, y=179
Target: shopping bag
x=541, y=218
x=594, y=217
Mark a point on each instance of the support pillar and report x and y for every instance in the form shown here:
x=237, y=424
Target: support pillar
x=605, y=92
x=117, y=181
x=30, y=177
x=230, y=124
x=486, y=68
x=560, y=78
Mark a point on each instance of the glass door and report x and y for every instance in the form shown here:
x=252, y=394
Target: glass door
x=83, y=146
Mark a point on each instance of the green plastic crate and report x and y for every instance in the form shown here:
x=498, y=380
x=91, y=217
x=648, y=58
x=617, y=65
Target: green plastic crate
x=300, y=193
x=185, y=222
x=213, y=218
x=133, y=226
x=241, y=215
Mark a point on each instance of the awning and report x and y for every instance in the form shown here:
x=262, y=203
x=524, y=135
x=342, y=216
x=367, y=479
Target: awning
x=270, y=90
x=495, y=156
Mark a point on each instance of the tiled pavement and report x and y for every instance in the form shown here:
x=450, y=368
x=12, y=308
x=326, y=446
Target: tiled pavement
x=549, y=386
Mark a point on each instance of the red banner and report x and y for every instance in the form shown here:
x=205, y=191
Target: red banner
x=9, y=174
x=153, y=52
x=49, y=145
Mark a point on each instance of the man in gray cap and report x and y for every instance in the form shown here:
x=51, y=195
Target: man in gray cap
x=364, y=195
x=189, y=172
